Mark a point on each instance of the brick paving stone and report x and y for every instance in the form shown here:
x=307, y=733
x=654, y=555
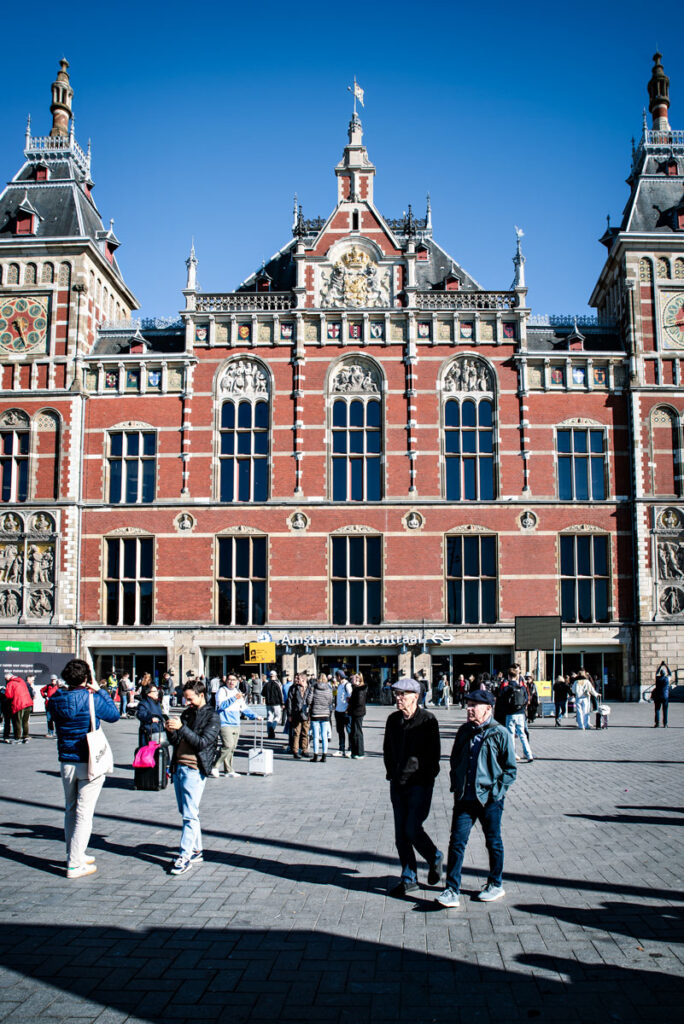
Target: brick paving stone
x=289, y=918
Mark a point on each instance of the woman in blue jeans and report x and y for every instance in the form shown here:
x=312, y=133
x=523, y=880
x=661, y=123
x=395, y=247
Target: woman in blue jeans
x=194, y=738
x=319, y=698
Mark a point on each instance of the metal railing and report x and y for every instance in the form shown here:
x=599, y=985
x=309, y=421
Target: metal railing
x=466, y=300
x=245, y=302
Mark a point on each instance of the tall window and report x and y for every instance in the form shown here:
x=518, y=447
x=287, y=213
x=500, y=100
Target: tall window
x=584, y=578
x=664, y=462
x=242, y=581
x=356, y=444
x=129, y=581
x=14, y=457
x=581, y=464
x=356, y=581
x=469, y=449
x=132, y=466
x=471, y=579
x=243, y=453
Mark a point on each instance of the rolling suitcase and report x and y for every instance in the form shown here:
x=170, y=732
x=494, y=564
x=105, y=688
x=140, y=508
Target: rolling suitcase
x=156, y=777
x=259, y=761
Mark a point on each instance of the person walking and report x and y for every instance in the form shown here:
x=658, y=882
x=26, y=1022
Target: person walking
x=320, y=699
x=461, y=690
x=411, y=751
x=19, y=693
x=583, y=690
x=70, y=710
x=230, y=704
x=511, y=703
x=342, y=719
x=482, y=769
x=194, y=738
x=561, y=692
x=47, y=691
x=661, y=694
x=357, y=712
x=298, y=715
x=274, y=700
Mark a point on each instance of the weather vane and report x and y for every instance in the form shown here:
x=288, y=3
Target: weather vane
x=358, y=93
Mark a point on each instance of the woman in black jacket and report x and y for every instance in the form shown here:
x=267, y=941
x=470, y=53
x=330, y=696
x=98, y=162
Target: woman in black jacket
x=356, y=712
x=150, y=714
x=194, y=738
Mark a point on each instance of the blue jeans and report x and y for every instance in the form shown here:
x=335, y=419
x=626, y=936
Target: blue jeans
x=411, y=806
x=466, y=813
x=189, y=786
x=561, y=709
x=516, y=726
x=319, y=733
x=659, y=703
x=124, y=703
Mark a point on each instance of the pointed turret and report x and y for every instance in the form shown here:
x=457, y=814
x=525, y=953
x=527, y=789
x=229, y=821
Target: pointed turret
x=519, y=262
x=659, y=95
x=62, y=95
x=355, y=171
x=191, y=264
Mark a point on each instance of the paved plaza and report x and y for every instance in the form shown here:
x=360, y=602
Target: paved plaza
x=288, y=918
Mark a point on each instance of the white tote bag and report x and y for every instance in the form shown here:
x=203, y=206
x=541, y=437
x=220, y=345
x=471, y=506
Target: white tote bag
x=100, y=758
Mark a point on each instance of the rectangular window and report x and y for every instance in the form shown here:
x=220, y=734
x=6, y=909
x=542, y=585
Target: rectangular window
x=129, y=581
x=132, y=466
x=469, y=450
x=356, y=450
x=584, y=578
x=14, y=459
x=471, y=579
x=241, y=581
x=356, y=581
x=243, y=451
x=581, y=464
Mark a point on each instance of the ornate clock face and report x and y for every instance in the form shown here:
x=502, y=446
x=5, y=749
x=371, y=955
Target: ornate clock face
x=673, y=320
x=23, y=323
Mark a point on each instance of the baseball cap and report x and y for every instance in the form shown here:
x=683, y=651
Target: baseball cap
x=481, y=697
x=407, y=685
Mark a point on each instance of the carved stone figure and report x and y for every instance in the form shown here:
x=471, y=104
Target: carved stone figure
x=672, y=601
x=185, y=522
x=528, y=520
x=11, y=524
x=671, y=560
x=43, y=523
x=9, y=603
x=40, y=603
x=669, y=519
x=299, y=521
x=13, y=559
x=414, y=521
x=355, y=377
x=355, y=280
x=468, y=374
x=244, y=377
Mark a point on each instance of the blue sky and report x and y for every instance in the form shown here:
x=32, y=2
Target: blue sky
x=206, y=118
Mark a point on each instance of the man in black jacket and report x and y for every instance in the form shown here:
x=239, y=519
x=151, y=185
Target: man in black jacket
x=411, y=753
x=194, y=738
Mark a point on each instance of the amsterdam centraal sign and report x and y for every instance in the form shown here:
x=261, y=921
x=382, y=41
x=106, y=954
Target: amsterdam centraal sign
x=368, y=638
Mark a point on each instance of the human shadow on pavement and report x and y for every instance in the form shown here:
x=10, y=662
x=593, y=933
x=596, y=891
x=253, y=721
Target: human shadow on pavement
x=184, y=974
x=626, y=819
x=662, y=924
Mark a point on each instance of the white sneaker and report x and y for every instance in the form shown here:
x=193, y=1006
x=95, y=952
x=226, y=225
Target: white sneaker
x=233, y=775
x=81, y=871
x=491, y=892
x=347, y=753
x=338, y=753
x=449, y=898
x=214, y=773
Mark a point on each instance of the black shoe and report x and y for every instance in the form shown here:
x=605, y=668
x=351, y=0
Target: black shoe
x=315, y=757
x=322, y=758
x=435, y=872
x=403, y=889
x=296, y=756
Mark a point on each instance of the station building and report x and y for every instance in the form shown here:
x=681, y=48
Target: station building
x=359, y=453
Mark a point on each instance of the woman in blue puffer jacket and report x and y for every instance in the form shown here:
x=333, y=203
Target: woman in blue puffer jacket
x=70, y=710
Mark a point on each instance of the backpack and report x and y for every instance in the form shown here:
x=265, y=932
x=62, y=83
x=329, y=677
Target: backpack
x=517, y=699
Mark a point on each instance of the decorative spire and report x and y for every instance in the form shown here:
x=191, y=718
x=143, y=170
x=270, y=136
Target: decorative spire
x=191, y=264
x=519, y=260
x=62, y=95
x=295, y=210
x=28, y=131
x=659, y=95
x=428, y=214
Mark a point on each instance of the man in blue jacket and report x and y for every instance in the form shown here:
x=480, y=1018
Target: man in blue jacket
x=482, y=770
x=70, y=711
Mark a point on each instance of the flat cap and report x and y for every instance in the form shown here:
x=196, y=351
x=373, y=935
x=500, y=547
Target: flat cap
x=407, y=685
x=481, y=697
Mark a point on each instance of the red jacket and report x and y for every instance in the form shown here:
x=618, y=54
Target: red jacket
x=17, y=691
x=49, y=691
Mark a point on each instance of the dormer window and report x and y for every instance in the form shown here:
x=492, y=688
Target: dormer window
x=671, y=168
x=109, y=253
x=451, y=283
x=421, y=252
x=41, y=173
x=25, y=223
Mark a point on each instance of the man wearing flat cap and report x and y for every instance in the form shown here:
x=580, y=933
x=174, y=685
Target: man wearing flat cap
x=411, y=753
x=482, y=769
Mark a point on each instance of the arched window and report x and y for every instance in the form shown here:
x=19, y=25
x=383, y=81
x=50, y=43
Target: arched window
x=65, y=274
x=30, y=273
x=663, y=267
x=645, y=270
x=468, y=419
x=664, y=462
x=13, y=273
x=48, y=273
x=244, y=432
x=679, y=269
x=14, y=456
x=47, y=455
x=356, y=432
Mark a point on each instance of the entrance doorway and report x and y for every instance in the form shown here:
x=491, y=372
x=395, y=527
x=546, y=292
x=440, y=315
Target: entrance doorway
x=378, y=670
x=605, y=667
x=136, y=663
x=234, y=661
x=470, y=663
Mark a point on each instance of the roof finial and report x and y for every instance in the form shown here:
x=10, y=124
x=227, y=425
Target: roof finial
x=358, y=94
x=428, y=214
x=659, y=95
x=294, y=212
x=519, y=260
x=191, y=264
x=28, y=131
x=62, y=95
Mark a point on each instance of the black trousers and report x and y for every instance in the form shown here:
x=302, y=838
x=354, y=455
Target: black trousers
x=411, y=806
x=356, y=739
x=342, y=726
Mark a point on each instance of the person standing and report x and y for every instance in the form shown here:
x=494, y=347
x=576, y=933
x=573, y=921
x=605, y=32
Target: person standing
x=583, y=689
x=561, y=692
x=298, y=715
x=661, y=694
x=70, y=710
x=342, y=720
x=357, y=712
x=47, y=691
x=193, y=737
x=230, y=704
x=319, y=697
x=482, y=769
x=150, y=714
x=273, y=698
x=532, y=700
x=126, y=689
x=411, y=751
x=19, y=693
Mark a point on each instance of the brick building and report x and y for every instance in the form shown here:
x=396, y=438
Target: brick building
x=359, y=452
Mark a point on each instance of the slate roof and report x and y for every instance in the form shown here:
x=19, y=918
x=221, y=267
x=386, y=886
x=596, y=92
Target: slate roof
x=655, y=195
x=555, y=339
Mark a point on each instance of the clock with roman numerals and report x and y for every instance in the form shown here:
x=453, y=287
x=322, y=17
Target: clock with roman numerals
x=23, y=323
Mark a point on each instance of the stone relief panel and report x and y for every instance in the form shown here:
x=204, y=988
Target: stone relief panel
x=669, y=562
x=355, y=280
x=356, y=377
x=244, y=377
x=468, y=374
x=27, y=566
